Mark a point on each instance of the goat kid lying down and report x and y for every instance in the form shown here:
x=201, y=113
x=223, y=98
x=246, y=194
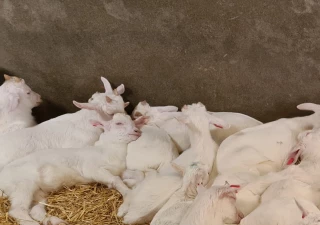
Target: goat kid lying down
x=263, y=149
x=155, y=149
x=284, y=211
x=66, y=131
x=215, y=205
x=153, y=192
x=296, y=181
x=160, y=115
x=144, y=201
x=16, y=103
x=257, y=151
x=32, y=177
x=173, y=211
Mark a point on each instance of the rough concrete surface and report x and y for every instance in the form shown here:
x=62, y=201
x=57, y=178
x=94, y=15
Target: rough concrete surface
x=261, y=58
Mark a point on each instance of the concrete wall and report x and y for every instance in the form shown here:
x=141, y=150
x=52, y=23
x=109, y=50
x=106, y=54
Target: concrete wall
x=261, y=58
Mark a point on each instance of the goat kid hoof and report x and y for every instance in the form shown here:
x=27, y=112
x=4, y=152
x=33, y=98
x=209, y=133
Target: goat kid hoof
x=52, y=220
x=38, y=213
x=121, y=213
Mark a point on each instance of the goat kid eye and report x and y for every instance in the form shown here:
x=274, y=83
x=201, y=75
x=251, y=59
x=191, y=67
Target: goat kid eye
x=119, y=124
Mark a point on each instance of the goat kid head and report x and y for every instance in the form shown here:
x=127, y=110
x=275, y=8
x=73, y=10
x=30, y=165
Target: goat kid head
x=16, y=92
x=121, y=128
x=107, y=103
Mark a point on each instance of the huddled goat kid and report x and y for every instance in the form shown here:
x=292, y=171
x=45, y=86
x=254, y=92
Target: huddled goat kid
x=16, y=103
x=214, y=206
x=172, y=212
x=256, y=151
x=154, y=149
x=156, y=189
x=162, y=117
x=66, y=131
x=45, y=171
x=295, y=182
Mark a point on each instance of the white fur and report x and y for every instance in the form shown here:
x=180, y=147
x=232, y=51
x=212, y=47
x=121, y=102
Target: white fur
x=172, y=212
x=66, y=131
x=297, y=181
x=47, y=171
x=16, y=103
x=213, y=206
x=263, y=149
x=283, y=211
x=152, y=150
x=153, y=192
x=160, y=115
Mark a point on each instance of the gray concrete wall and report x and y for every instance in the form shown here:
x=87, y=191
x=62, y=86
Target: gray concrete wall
x=261, y=58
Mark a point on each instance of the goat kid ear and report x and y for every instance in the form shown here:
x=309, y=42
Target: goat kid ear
x=13, y=101
x=180, y=169
x=217, y=122
x=6, y=77
x=166, y=108
x=96, y=123
x=120, y=89
x=293, y=157
x=88, y=106
x=303, y=211
x=126, y=104
x=136, y=115
x=107, y=85
x=141, y=121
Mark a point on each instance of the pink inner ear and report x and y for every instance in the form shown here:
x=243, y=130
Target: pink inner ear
x=235, y=186
x=292, y=157
x=218, y=126
x=95, y=124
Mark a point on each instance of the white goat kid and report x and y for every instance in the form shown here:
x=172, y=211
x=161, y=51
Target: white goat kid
x=179, y=132
x=163, y=117
x=172, y=212
x=296, y=181
x=143, y=202
x=16, y=103
x=259, y=150
x=284, y=211
x=154, y=149
x=215, y=205
x=46, y=171
x=66, y=131
x=153, y=192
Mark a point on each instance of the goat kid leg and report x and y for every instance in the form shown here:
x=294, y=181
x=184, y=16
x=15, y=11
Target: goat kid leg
x=52, y=220
x=21, y=199
x=105, y=177
x=38, y=211
x=124, y=207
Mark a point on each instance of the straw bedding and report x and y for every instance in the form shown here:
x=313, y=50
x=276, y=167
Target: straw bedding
x=92, y=204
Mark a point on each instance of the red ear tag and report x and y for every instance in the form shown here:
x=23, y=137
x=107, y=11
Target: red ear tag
x=235, y=186
x=218, y=126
